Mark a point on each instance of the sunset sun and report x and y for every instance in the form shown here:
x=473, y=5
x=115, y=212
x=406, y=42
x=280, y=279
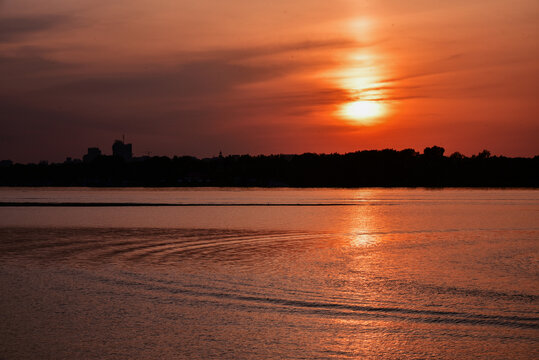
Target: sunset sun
x=363, y=112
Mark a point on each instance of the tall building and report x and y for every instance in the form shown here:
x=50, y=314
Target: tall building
x=122, y=150
x=93, y=153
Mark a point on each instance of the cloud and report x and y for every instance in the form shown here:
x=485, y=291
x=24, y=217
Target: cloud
x=198, y=72
x=188, y=100
x=13, y=28
x=28, y=69
x=213, y=80
x=268, y=50
x=204, y=77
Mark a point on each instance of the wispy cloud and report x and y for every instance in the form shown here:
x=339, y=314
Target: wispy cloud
x=194, y=95
x=14, y=28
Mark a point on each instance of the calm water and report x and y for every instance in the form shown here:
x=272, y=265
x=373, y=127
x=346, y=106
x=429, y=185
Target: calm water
x=319, y=274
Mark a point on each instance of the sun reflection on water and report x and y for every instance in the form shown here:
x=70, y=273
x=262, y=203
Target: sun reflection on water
x=364, y=222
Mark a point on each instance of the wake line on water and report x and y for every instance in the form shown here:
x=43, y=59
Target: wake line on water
x=120, y=204
x=171, y=247
x=334, y=308
x=148, y=246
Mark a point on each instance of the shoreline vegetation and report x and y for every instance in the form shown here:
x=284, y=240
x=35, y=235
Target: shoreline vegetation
x=368, y=168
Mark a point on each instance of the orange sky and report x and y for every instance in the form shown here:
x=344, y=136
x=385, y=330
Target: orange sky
x=250, y=76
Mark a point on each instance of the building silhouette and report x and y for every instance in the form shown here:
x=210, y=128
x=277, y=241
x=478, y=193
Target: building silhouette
x=122, y=150
x=93, y=153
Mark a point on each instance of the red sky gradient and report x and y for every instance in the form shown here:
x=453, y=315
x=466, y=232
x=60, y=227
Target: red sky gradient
x=250, y=76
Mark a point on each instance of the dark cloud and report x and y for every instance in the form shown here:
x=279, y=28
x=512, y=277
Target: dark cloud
x=27, y=70
x=33, y=133
x=12, y=66
x=204, y=77
x=303, y=101
x=198, y=73
x=269, y=50
x=13, y=28
x=182, y=108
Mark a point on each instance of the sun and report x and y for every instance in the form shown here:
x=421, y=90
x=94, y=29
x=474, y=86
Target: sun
x=364, y=112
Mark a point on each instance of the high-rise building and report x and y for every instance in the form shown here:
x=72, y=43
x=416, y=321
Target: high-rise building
x=93, y=153
x=122, y=150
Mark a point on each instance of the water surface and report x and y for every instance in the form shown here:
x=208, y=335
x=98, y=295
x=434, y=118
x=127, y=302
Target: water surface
x=322, y=273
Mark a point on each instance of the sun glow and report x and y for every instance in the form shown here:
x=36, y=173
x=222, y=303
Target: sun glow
x=367, y=92
x=364, y=112
x=363, y=76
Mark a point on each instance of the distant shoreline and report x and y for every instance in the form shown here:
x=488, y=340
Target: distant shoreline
x=370, y=168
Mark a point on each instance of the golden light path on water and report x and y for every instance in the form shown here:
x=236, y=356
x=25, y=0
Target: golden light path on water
x=362, y=78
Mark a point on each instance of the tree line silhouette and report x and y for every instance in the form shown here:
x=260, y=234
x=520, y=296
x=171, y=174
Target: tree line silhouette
x=369, y=168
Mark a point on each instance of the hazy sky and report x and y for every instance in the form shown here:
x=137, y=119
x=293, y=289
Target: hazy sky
x=192, y=77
